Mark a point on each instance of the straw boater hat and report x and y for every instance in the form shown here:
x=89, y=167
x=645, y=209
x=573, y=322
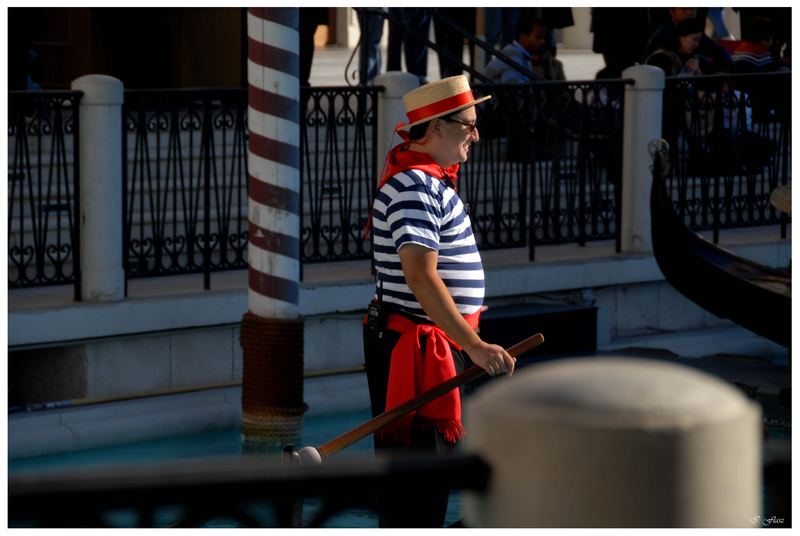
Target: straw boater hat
x=439, y=98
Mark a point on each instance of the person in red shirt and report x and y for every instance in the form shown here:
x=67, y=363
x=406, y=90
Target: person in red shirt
x=754, y=55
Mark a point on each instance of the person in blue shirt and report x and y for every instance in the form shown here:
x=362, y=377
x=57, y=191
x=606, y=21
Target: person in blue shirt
x=530, y=50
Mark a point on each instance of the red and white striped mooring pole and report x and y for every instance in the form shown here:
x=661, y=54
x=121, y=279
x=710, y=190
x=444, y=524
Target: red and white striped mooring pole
x=272, y=331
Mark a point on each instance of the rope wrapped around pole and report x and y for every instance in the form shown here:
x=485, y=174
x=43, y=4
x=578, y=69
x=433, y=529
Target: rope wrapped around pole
x=272, y=396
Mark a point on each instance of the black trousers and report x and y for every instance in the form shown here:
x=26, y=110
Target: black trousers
x=423, y=508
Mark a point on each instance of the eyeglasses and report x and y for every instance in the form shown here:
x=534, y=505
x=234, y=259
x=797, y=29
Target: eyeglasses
x=470, y=126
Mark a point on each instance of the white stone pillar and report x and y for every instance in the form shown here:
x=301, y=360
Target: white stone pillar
x=391, y=110
x=614, y=442
x=642, y=124
x=102, y=272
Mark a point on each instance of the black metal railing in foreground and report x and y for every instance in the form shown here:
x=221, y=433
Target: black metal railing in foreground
x=43, y=189
x=243, y=492
x=185, y=181
x=548, y=166
x=730, y=139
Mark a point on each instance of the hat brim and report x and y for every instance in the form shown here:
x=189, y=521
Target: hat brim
x=406, y=126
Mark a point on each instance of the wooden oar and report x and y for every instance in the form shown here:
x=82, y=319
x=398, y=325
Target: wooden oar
x=316, y=455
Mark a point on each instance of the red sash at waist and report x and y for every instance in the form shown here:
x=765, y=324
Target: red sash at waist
x=411, y=373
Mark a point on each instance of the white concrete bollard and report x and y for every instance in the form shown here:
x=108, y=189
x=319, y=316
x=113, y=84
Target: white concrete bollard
x=642, y=124
x=614, y=442
x=391, y=110
x=102, y=273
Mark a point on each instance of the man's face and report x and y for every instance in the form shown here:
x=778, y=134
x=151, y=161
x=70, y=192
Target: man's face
x=534, y=42
x=458, y=137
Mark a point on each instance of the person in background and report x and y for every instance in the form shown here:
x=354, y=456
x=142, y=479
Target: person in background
x=310, y=18
x=753, y=54
x=453, y=41
x=553, y=18
x=394, y=47
x=665, y=37
x=781, y=18
x=689, y=33
x=682, y=60
x=530, y=50
x=620, y=35
x=415, y=50
x=421, y=329
x=371, y=26
x=499, y=24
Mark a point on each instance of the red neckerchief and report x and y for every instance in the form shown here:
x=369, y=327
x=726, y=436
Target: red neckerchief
x=411, y=373
x=401, y=158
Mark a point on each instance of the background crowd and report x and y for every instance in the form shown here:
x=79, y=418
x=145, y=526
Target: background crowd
x=682, y=41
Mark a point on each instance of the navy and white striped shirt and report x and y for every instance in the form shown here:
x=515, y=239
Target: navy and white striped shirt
x=416, y=208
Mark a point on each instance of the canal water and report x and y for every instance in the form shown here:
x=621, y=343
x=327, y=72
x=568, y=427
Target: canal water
x=316, y=431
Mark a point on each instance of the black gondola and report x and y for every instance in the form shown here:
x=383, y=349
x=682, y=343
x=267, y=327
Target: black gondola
x=752, y=295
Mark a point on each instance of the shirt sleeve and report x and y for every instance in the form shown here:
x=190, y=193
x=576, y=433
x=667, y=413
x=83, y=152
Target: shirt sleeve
x=414, y=216
x=512, y=76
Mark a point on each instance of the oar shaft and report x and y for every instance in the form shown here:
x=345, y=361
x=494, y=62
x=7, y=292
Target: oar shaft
x=348, y=438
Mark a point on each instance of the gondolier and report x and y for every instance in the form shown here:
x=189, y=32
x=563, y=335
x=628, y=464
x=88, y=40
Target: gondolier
x=421, y=326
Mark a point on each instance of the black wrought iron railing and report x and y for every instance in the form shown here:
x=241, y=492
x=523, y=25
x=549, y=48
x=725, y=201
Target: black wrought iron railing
x=730, y=144
x=548, y=166
x=338, y=132
x=547, y=170
x=231, y=492
x=185, y=174
x=43, y=189
x=185, y=181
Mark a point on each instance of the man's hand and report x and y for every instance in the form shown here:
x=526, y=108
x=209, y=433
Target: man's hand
x=419, y=269
x=491, y=358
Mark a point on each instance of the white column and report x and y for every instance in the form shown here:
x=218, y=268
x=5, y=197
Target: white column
x=102, y=273
x=642, y=124
x=614, y=442
x=391, y=110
